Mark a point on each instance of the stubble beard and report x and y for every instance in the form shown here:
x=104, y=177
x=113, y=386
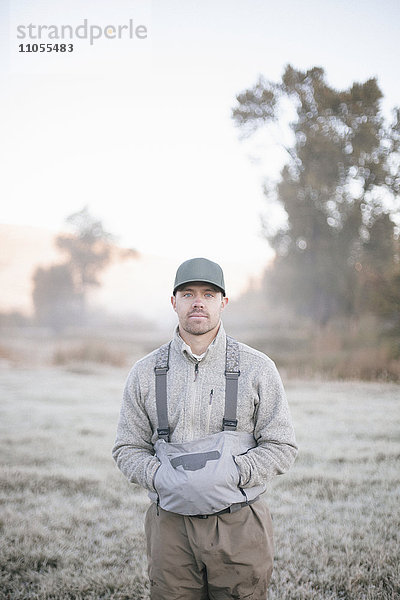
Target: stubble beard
x=199, y=328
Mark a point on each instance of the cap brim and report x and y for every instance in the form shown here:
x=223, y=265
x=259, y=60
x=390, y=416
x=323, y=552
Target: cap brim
x=199, y=281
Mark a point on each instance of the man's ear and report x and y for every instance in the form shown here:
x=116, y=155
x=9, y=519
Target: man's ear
x=173, y=302
x=224, y=302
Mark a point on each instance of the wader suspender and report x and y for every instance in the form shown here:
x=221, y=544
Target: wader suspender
x=161, y=369
x=229, y=422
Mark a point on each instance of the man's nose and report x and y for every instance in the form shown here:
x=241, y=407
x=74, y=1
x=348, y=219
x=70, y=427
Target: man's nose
x=198, y=301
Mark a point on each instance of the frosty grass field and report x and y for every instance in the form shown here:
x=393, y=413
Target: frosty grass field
x=72, y=527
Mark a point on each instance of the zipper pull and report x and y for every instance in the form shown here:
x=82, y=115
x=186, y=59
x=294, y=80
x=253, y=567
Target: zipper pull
x=211, y=397
x=196, y=370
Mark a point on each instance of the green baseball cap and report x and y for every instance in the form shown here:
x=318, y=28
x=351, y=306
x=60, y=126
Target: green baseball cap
x=200, y=269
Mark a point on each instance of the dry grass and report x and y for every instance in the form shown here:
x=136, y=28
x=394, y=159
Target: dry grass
x=79, y=348
x=72, y=527
x=97, y=352
x=341, y=350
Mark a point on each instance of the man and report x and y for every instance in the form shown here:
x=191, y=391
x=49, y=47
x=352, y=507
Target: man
x=204, y=427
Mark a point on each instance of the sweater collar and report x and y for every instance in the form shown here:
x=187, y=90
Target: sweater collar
x=218, y=344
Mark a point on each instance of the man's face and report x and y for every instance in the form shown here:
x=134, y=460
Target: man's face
x=198, y=307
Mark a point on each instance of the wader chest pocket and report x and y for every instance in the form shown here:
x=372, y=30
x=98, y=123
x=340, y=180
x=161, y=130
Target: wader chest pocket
x=194, y=462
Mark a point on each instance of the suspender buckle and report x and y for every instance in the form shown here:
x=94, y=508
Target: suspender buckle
x=229, y=423
x=232, y=374
x=161, y=370
x=163, y=431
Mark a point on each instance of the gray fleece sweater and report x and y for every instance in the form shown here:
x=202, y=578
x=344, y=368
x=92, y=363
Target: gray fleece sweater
x=196, y=402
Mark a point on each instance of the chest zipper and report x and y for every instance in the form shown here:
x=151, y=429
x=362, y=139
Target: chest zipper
x=209, y=410
x=196, y=372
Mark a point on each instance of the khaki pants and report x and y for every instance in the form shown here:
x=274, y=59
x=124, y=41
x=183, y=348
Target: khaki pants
x=223, y=557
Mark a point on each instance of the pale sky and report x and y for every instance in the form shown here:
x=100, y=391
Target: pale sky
x=140, y=130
